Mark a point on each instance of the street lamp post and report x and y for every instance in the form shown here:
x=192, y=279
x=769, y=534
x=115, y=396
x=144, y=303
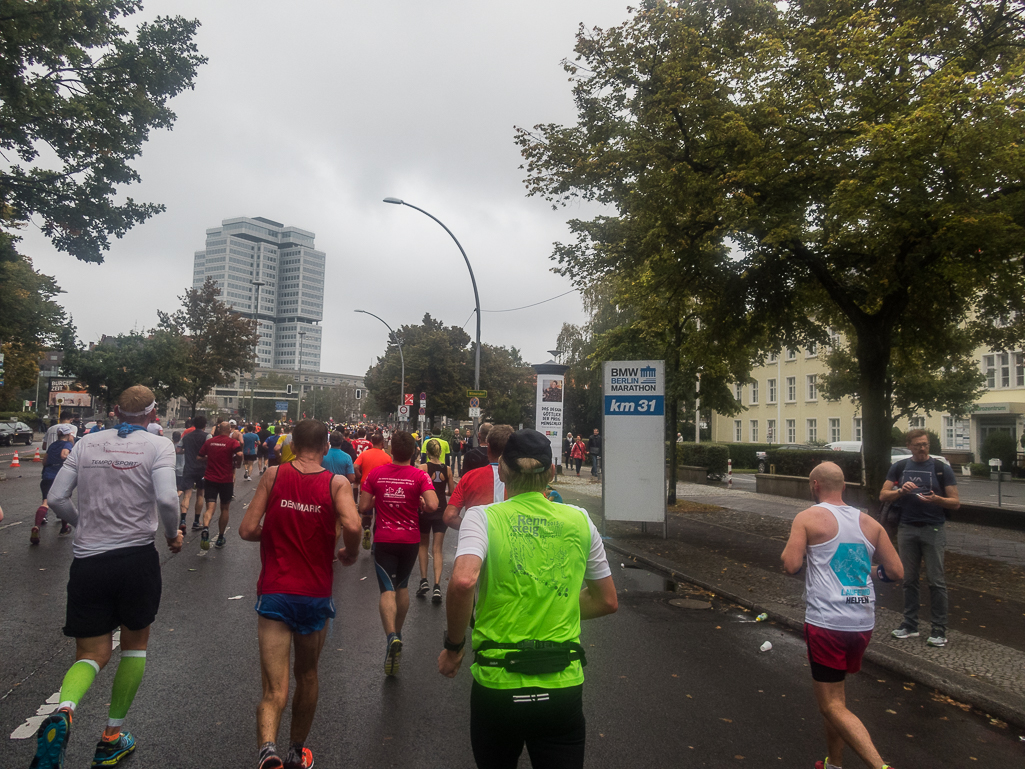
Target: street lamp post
x=256, y=362
x=299, y=407
x=394, y=338
x=476, y=296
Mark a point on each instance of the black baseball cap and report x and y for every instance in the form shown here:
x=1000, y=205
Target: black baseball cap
x=528, y=444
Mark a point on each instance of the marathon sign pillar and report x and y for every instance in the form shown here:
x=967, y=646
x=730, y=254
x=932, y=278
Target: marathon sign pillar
x=633, y=443
x=551, y=377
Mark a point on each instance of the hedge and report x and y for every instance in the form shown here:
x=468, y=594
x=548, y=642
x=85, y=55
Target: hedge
x=801, y=463
x=712, y=456
x=743, y=454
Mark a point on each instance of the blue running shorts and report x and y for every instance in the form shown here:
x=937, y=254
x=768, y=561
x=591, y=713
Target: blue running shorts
x=303, y=614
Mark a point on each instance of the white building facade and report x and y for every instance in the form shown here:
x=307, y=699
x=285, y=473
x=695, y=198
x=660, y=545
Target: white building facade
x=273, y=272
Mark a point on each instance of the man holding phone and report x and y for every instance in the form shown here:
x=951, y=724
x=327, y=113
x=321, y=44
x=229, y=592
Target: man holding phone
x=924, y=488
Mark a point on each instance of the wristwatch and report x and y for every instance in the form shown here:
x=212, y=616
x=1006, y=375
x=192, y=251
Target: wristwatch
x=453, y=647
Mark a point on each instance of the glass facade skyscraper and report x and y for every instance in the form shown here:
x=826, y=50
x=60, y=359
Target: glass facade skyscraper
x=243, y=251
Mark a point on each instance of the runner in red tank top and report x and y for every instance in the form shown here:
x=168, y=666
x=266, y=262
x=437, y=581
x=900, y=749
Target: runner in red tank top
x=295, y=515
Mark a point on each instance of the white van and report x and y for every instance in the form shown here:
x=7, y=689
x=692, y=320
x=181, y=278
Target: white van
x=897, y=453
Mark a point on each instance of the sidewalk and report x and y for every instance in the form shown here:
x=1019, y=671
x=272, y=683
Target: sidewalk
x=729, y=541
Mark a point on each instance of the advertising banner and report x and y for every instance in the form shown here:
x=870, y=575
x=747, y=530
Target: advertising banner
x=549, y=406
x=69, y=391
x=633, y=442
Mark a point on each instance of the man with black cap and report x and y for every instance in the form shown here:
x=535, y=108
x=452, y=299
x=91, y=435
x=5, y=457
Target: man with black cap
x=530, y=556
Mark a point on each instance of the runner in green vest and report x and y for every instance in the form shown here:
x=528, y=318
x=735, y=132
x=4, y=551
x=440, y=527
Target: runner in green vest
x=531, y=557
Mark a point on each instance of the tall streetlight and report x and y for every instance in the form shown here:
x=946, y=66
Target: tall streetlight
x=476, y=296
x=394, y=338
x=299, y=407
x=256, y=284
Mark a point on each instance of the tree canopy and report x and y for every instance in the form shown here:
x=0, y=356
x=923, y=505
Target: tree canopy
x=78, y=97
x=800, y=167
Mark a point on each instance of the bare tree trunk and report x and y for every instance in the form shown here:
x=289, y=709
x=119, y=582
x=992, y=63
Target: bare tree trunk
x=876, y=414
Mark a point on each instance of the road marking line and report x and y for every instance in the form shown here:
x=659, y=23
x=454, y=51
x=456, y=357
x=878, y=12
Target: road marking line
x=9, y=525
x=28, y=729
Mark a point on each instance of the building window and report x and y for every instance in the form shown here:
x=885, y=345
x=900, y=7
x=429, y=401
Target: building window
x=754, y=393
x=1019, y=370
x=791, y=390
x=834, y=430
x=956, y=434
x=813, y=387
x=772, y=390
x=738, y=430
x=857, y=428
x=754, y=431
x=791, y=431
x=738, y=391
x=813, y=350
x=773, y=357
x=1005, y=370
x=813, y=430
x=770, y=430
x=916, y=423
x=791, y=354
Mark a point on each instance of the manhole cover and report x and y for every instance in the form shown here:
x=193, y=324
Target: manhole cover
x=689, y=603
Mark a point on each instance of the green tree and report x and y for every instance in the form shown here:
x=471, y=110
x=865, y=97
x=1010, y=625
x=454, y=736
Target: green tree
x=110, y=367
x=806, y=166
x=78, y=97
x=510, y=383
x=215, y=342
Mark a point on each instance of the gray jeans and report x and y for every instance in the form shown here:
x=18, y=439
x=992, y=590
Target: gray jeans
x=918, y=543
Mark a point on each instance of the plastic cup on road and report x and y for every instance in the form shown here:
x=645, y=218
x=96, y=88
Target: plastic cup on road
x=765, y=647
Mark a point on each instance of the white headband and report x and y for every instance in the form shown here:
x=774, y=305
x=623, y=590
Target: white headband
x=142, y=413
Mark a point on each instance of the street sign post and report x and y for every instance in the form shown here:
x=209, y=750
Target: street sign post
x=404, y=413
x=474, y=402
x=476, y=393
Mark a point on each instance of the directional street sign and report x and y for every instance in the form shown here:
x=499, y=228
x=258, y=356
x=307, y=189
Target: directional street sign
x=476, y=393
x=474, y=403
x=423, y=411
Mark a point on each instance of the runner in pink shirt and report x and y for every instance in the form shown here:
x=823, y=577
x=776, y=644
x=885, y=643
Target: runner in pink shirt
x=396, y=492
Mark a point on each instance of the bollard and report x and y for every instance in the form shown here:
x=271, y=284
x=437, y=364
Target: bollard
x=729, y=473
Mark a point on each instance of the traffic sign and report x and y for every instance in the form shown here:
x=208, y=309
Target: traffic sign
x=423, y=411
x=474, y=403
x=404, y=411
x=476, y=393
x=423, y=396
x=474, y=412
x=407, y=399
x=423, y=403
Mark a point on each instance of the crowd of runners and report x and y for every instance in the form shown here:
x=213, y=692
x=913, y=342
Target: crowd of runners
x=528, y=569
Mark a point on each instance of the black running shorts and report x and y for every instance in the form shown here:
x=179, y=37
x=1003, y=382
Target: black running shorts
x=226, y=491
x=393, y=562
x=433, y=522
x=120, y=587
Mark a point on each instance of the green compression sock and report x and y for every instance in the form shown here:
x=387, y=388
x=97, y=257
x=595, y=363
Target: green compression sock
x=126, y=684
x=77, y=681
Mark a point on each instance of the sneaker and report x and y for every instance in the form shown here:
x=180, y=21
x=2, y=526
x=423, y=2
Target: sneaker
x=305, y=761
x=109, y=753
x=393, y=655
x=436, y=595
x=204, y=540
x=221, y=542
x=65, y=528
x=33, y=538
x=367, y=537
x=936, y=640
x=196, y=525
x=272, y=762
x=423, y=589
x=51, y=740
x=902, y=633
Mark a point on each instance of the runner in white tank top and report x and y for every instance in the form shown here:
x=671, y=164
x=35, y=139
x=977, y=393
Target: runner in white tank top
x=839, y=543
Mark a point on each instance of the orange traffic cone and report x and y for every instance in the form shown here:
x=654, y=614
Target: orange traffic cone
x=37, y=458
x=15, y=462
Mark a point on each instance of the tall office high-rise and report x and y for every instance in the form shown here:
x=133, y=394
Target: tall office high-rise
x=244, y=251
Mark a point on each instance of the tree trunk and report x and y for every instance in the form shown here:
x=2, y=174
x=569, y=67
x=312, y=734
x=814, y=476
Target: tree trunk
x=674, y=415
x=873, y=350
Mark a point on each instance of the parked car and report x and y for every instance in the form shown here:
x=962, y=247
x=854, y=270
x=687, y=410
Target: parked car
x=897, y=453
x=15, y=432
x=763, y=463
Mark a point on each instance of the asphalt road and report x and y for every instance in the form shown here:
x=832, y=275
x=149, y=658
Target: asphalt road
x=665, y=686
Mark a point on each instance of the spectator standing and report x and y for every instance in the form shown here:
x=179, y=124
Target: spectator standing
x=478, y=457
x=578, y=453
x=594, y=449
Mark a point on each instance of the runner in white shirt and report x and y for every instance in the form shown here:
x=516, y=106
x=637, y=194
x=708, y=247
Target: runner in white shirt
x=126, y=492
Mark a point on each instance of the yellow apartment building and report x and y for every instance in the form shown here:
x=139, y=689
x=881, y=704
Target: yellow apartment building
x=783, y=405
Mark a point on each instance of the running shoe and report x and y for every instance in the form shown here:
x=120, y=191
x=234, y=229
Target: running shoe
x=902, y=633
x=33, y=538
x=423, y=589
x=221, y=542
x=272, y=762
x=304, y=762
x=936, y=640
x=366, y=539
x=51, y=740
x=204, y=540
x=196, y=525
x=436, y=595
x=65, y=528
x=393, y=655
x=109, y=753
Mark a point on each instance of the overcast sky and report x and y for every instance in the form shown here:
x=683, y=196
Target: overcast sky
x=310, y=113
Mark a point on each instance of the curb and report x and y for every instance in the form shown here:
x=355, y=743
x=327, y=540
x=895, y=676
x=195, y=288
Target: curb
x=986, y=697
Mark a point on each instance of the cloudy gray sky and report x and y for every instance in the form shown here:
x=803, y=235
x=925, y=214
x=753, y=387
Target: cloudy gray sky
x=309, y=113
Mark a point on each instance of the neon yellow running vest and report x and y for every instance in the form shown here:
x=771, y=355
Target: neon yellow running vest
x=530, y=584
